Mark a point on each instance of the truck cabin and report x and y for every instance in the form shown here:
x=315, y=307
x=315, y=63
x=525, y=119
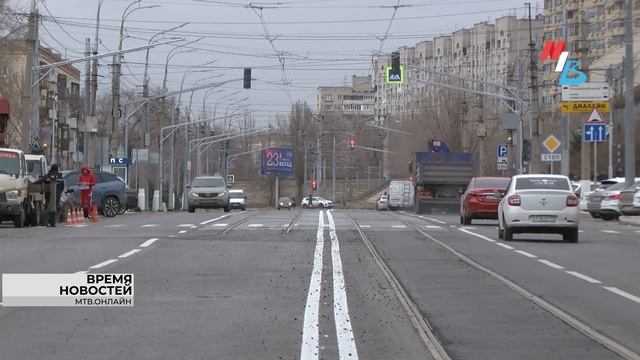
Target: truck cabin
x=4, y=121
x=11, y=163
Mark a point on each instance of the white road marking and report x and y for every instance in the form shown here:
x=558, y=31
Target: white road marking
x=452, y=226
x=504, y=246
x=182, y=232
x=580, y=231
x=399, y=226
x=102, y=264
x=638, y=231
x=194, y=227
x=185, y=225
x=255, y=225
x=365, y=226
x=346, y=343
x=149, y=225
x=433, y=226
x=623, y=293
x=81, y=272
x=127, y=254
x=476, y=235
x=469, y=228
x=171, y=236
x=584, y=277
x=526, y=254
x=549, y=263
x=310, y=329
x=436, y=220
x=216, y=219
x=115, y=225
x=610, y=231
x=219, y=225
x=148, y=242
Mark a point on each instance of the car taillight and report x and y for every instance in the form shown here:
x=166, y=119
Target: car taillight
x=514, y=200
x=614, y=197
x=572, y=201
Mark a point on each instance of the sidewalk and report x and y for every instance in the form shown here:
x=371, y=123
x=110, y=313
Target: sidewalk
x=630, y=220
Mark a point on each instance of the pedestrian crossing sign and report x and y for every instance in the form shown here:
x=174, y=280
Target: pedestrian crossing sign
x=394, y=77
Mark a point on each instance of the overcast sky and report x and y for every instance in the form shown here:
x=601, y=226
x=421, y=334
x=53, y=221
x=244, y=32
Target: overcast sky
x=322, y=42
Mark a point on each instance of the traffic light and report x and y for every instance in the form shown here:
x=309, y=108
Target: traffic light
x=314, y=185
x=395, y=62
x=352, y=144
x=411, y=178
x=247, y=78
x=410, y=167
x=526, y=150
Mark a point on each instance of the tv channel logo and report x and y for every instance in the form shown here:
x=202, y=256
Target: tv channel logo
x=570, y=75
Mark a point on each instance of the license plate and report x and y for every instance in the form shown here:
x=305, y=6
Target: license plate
x=491, y=197
x=543, y=218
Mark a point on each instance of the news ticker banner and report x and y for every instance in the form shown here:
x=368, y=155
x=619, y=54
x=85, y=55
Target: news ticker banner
x=67, y=290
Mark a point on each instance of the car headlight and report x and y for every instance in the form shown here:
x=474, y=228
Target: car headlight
x=194, y=194
x=222, y=193
x=12, y=195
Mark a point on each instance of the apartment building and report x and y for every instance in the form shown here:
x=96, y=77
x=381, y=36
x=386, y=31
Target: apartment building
x=350, y=101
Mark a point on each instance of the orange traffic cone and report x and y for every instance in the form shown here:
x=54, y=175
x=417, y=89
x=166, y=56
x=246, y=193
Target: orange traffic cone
x=94, y=214
x=69, y=218
x=79, y=217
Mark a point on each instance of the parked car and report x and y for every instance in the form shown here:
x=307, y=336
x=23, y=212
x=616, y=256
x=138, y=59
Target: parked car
x=208, y=192
x=538, y=203
x=605, y=204
x=110, y=192
x=317, y=202
x=630, y=201
x=480, y=200
x=285, y=203
x=383, y=202
x=586, y=195
x=237, y=199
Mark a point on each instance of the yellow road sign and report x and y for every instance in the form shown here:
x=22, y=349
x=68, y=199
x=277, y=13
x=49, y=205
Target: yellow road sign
x=231, y=179
x=551, y=143
x=584, y=106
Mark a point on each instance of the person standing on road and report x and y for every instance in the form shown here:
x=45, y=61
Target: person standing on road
x=52, y=194
x=86, y=181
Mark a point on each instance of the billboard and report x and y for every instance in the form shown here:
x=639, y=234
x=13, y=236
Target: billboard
x=277, y=161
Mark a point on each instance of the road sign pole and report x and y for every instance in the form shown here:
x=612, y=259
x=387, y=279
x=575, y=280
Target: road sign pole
x=610, y=167
x=595, y=161
x=565, y=167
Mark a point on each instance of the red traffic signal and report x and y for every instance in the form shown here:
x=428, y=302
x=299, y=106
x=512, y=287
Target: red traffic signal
x=314, y=184
x=411, y=178
x=352, y=144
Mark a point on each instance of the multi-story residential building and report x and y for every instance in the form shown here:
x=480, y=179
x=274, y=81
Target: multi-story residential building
x=59, y=106
x=495, y=53
x=350, y=101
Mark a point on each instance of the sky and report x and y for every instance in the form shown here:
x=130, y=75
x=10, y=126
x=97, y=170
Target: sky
x=320, y=42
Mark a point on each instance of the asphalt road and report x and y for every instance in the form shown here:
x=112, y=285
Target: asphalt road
x=304, y=284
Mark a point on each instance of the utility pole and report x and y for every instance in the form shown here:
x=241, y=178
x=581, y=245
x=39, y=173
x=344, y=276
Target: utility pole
x=565, y=120
x=333, y=170
x=629, y=106
x=87, y=101
x=585, y=163
x=536, y=123
x=90, y=153
x=115, y=96
x=28, y=97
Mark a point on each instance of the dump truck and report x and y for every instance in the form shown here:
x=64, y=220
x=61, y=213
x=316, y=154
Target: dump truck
x=440, y=179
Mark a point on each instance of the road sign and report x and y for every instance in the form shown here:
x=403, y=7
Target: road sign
x=551, y=157
x=503, y=166
x=594, y=133
x=277, y=161
x=584, y=106
x=595, y=117
x=502, y=159
x=586, y=92
x=501, y=150
x=119, y=161
x=551, y=143
x=231, y=179
x=394, y=77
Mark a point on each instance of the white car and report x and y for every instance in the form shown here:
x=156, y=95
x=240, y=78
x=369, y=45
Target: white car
x=584, y=195
x=317, y=202
x=383, y=202
x=539, y=203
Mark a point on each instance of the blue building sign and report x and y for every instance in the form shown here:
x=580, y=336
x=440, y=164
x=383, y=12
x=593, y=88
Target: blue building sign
x=277, y=161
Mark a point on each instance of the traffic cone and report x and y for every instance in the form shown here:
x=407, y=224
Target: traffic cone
x=94, y=214
x=69, y=218
x=79, y=217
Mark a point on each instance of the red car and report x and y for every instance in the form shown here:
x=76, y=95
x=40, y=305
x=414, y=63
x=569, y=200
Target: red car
x=479, y=201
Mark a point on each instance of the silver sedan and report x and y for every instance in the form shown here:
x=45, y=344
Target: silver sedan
x=539, y=203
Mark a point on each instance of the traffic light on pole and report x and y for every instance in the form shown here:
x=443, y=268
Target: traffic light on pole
x=526, y=150
x=247, y=78
x=352, y=144
x=314, y=185
x=411, y=178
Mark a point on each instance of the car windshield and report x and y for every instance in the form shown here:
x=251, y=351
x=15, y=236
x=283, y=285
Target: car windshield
x=34, y=167
x=9, y=163
x=619, y=186
x=542, y=183
x=236, y=195
x=208, y=182
x=491, y=183
x=284, y=199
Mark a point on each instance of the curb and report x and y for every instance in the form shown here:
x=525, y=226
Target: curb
x=629, y=220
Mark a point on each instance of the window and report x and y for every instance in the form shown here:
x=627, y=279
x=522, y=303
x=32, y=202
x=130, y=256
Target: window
x=328, y=98
x=600, y=10
x=542, y=183
x=547, y=4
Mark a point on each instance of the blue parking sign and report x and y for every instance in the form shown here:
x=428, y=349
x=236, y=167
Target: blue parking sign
x=501, y=150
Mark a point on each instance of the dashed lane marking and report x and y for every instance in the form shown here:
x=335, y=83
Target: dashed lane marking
x=610, y=231
x=150, y=225
x=194, y=227
x=255, y=225
x=529, y=255
x=219, y=225
x=580, y=231
x=504, y=246
x=584, y=277
x=469, y=228
x=553, y=265
x=433, y=226
x=399, y=226
x=127, y=254
x=114, y=225
x=365, y=226
x=436, y=220
x=103, y=264
x=148, y=242
x=182, y=232
x=623, y=293
x=216, y=219
x=185, y=225
x=477, y=235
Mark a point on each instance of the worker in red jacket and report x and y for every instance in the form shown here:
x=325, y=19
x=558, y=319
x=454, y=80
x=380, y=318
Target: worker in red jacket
x=86, y=181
